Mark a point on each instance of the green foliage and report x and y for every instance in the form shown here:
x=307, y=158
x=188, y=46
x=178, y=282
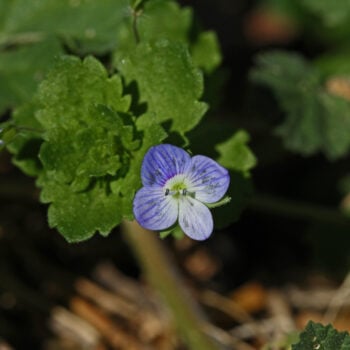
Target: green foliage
x=165, y=19
x=27, y=141
x=152, y=134
x=316, y=120
x=154, y=67
x=206, y=52
x=235, y=154
x=334, y=64
x=83, y=138
x=7, y=134
x=160, y=19
x=95, y=30
x=84, y=132
x=36, y=32
x=317, y=336
x=331, y=14
x=79, y=214
x=92, y=149
x=22, y=69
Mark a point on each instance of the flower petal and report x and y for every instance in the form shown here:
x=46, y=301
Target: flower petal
x=209, y=180
x=153, y=210
x=163, y=162
x=195, y=218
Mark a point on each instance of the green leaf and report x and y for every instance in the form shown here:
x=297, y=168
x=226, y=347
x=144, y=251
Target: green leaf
x=97, y=149
x=334, y=64
x=73, y=88
x=88, y=144
x=92, y=150
x=22, y=69
x=106, y=201
x=317, y=336
x=36, y=30
x=331, y=14
x=26, y=144
x=84, y=24
x=78, y=215
x=315, y=119
x=151, y=134
x=159, y=19
x=165, y=19
x=206, y=52
x=7, y=134
x=235, y=154
x=154, y=68
x=82, y=137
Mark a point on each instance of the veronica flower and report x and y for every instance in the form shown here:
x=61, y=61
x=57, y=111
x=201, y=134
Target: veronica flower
x=177, y=187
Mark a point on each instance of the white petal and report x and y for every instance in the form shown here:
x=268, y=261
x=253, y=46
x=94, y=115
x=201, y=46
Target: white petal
x=209, y=180
x=153, y=210
x=195, y=218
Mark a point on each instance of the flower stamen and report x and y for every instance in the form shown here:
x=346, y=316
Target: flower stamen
x=177, y=192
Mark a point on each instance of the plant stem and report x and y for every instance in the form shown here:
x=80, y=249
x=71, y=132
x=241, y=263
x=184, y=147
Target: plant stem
x=135, y=16
x=298, y=210
x=164, y=277
x=21, y=39
x=338, y=300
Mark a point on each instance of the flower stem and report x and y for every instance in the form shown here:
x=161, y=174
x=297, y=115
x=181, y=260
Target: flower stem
x=298, y=210
x=164, y=277
x=25, y=38
x=135, y=15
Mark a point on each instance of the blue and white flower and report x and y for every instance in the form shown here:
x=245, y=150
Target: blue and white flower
x=177, y=186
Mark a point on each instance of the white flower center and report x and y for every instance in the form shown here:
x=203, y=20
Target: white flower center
x=178, y=186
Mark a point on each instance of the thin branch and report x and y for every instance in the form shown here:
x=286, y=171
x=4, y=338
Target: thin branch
x=21, y=39
x=135, y=15
x=226, y=338
x=115, y=335
x=337, y=301
x=67, y=324
x=225, y=305
x=297, y=209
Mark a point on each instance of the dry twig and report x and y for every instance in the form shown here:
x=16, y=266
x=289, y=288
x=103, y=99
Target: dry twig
x=225, y=305
x=115, y=335
x=338, y=300
x=68, y=325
